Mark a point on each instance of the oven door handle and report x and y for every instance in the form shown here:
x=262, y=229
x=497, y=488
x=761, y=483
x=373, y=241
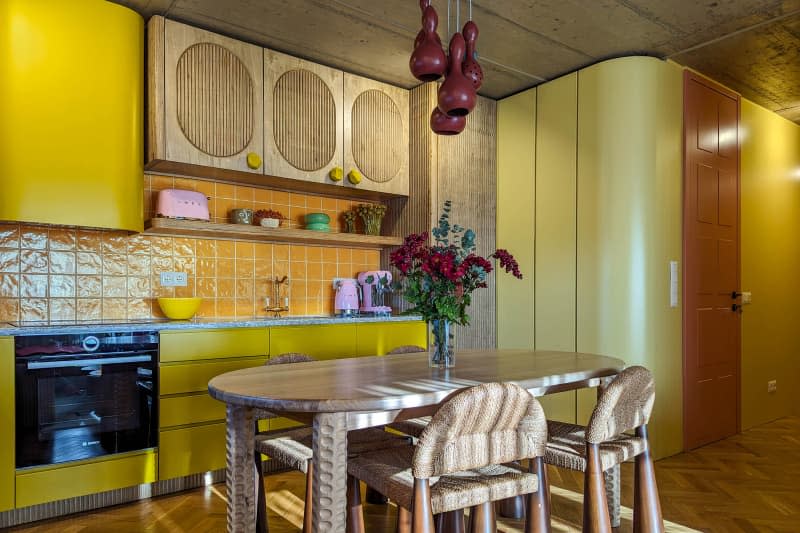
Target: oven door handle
x=36, y=365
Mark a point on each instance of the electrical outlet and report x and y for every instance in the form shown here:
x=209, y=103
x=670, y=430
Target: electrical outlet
x=772, y=385
x=173, y=279
x=747, y=297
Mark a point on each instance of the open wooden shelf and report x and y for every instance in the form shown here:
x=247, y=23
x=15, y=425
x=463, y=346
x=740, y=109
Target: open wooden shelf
x=211, y=230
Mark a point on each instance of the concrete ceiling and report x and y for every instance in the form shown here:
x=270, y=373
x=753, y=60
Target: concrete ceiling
x=752, y=46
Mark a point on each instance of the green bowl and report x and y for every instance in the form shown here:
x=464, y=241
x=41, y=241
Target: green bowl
x=318, y=227
x=317, y=218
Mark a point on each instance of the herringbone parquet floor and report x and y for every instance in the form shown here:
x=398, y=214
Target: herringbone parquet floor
x=748, y=483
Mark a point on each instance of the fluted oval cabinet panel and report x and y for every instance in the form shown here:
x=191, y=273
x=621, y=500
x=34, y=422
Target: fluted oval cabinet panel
x=206, y=99
x=303, y=118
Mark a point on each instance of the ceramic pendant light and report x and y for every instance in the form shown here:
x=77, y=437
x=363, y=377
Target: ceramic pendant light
x=472, y=70
x=444, y=124
x=457, y=95
x=428, y=60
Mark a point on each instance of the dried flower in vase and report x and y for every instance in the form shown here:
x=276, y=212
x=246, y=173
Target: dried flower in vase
x=349, y=218
x=372, y=215
x=268, y=218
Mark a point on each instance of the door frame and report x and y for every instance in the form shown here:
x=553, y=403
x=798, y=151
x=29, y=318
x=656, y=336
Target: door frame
x=689, y=75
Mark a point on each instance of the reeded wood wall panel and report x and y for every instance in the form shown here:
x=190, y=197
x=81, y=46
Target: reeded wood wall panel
x=215, y=104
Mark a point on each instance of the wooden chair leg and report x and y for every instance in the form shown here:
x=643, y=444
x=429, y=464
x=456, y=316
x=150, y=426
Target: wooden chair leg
x=537, y=519
x=595, y=506
x=512, y=507
x=262, y=525
x=482, y=519
x=355, y=513
x=450, y=522
x=612, y=478
x=646, y=506
x=421, y=512
x=403, y=520
x=307, y=511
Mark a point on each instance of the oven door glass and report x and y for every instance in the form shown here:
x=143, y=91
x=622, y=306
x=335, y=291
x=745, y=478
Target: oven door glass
x=81, y=407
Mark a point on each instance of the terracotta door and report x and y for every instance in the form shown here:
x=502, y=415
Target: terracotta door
x=712, y=321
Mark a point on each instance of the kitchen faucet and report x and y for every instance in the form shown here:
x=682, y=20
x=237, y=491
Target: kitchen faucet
x=273, y=303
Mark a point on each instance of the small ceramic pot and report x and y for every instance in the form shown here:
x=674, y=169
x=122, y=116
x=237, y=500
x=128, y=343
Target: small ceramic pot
x=270, y=222
x=241, y=216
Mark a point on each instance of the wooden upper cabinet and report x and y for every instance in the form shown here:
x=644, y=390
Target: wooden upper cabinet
x=303, y=119
x=206, y=98
x=376, y=135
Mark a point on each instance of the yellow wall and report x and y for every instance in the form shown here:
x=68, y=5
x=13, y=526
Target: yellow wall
x=770, y=251
x=607, y=201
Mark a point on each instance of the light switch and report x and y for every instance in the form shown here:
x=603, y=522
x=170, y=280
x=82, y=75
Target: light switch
x=747, y=297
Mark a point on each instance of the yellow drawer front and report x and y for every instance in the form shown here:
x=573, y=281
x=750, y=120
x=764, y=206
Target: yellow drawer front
x=321, y=342
x=7, y=423
x=68, y=481
x=194, y=377
x=377, y=339
x=194, y=409
x=213, y=344
x=191, y=450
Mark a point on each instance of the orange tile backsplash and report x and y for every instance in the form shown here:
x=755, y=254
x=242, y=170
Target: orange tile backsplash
x=54, y=273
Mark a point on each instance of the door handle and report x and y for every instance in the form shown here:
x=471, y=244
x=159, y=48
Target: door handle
x=735, y=295
x=736, y=308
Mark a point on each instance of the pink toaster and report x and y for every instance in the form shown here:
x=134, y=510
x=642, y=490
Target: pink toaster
x=177, y=203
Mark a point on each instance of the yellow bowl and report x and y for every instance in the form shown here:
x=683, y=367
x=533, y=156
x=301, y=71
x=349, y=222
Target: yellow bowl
x=179, y=308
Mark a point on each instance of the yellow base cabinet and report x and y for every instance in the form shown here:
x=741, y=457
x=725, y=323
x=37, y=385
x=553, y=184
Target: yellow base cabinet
x=51, y=484
x=197, y=345
x=332, y=341
x=7, y=448
x=190, y=450
x=380, y=338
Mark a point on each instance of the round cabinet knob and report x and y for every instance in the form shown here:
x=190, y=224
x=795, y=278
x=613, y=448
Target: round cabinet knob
x=253, y=160
x=354, y=177
x=336, y=174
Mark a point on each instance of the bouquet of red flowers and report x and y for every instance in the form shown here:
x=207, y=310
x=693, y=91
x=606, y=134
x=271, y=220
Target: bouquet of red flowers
x=438, y=279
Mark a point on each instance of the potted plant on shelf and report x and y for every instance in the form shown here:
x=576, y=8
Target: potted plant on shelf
x=438, y=280
x=268, y=218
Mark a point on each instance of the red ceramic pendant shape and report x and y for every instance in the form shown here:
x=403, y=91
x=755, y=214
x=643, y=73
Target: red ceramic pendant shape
x=443, y=124
x=428, y=60
x=457, y=95
x=472, y=70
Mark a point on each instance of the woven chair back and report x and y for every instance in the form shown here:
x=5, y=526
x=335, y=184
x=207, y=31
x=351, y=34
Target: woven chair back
x=290, y=357
x=407, y=348
x=488, y=424
x=625, y=405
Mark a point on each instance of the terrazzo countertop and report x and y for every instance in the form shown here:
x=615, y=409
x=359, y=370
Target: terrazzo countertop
x=59, y=328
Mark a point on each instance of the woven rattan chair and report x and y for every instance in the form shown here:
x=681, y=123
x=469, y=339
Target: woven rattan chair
x=413, y=426
x=625, y=405
x=292, y=448
x=461, y=461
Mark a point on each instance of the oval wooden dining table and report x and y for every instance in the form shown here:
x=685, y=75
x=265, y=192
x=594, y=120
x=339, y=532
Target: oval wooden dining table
x=341, y=395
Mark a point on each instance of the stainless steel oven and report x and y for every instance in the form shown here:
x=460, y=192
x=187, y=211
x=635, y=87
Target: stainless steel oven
x=81, y=396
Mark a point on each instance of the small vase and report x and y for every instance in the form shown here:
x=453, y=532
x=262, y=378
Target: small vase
x=349, y=225
x=442, y=353
x=372, y=224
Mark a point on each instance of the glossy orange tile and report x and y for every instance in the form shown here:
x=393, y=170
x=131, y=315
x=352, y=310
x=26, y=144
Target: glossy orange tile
x=138, y=265
x=62, y=262
x=263, y=251
x=226, y=288
x=158, y=183
x=245, y=250
x=208, y=308
x=280, y=252
x=184, y=264
x=61, y=286
x=115, y=242
x=244, y=194
x=329, y=255
x=9, y=285
x=206, y=268
x=160, y=264
x=186, y=292
x=139, y=245
x=297, y=253
x=89, y=263
x=138, y=287
x=89, y=286
x=281, y=198
x=226, y=268
x=263, y=268
x=313, y=254
x=115, y=308
x=207, y=287
x=226, y=249
x=33, y=238
x=9, y=309
x=62, y=309
x=33, y=309
x=89, y=240
x=62, y=239
x=186, y=184
x=263, y=196
x=329, y=271
x=33, y=286
x=9, y=236
x=33, y=261
x=115, y=286
x=89, y=308
x=206, y=248
x=226, y=307
x=329, y=204
x=138, y=308
x=206, y=187
x=115, y=264
x=245, y=288
x=314, y=271
x=297, y=271
x=280, y=268
x=245, y=268
x=224, y=190
x=184, y=247
x=161, y=246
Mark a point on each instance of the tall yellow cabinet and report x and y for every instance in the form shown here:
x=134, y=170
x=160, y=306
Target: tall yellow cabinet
x=7, y=456
x=71, y=108
x=589, y=198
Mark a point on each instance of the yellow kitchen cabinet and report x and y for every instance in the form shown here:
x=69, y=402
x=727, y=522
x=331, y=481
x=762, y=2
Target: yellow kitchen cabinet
x=51, y=484
x=190, y=409
x=205, y=98
x=195, y=345
x=376, y=124
x=303, y=119
x=320, y=342
x=191, y=450
x=7, y=456
x=379, y=338
x=183, y=378
x=71, y=102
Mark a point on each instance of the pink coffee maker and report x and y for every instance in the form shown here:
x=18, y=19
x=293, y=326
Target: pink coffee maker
x=375, y=284
x=346, y=301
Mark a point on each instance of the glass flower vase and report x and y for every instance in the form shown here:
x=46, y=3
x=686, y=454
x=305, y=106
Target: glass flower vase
x=442, y=353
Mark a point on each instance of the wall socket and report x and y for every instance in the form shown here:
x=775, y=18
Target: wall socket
x=174, y=279
x=772, y=385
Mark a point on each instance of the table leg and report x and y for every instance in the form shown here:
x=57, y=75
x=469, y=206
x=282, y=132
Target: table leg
x=611, y=477
x=330, y=472
x=240, y=481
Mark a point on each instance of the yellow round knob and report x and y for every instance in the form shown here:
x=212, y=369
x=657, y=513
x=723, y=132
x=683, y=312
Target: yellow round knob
x=253, y=160
x=336, y=174
x=354, y=177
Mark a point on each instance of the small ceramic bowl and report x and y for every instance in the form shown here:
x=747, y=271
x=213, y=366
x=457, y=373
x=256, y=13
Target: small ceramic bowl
x=270, y=222
x=179, y=308
x=317, y=218
x=241, y=216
